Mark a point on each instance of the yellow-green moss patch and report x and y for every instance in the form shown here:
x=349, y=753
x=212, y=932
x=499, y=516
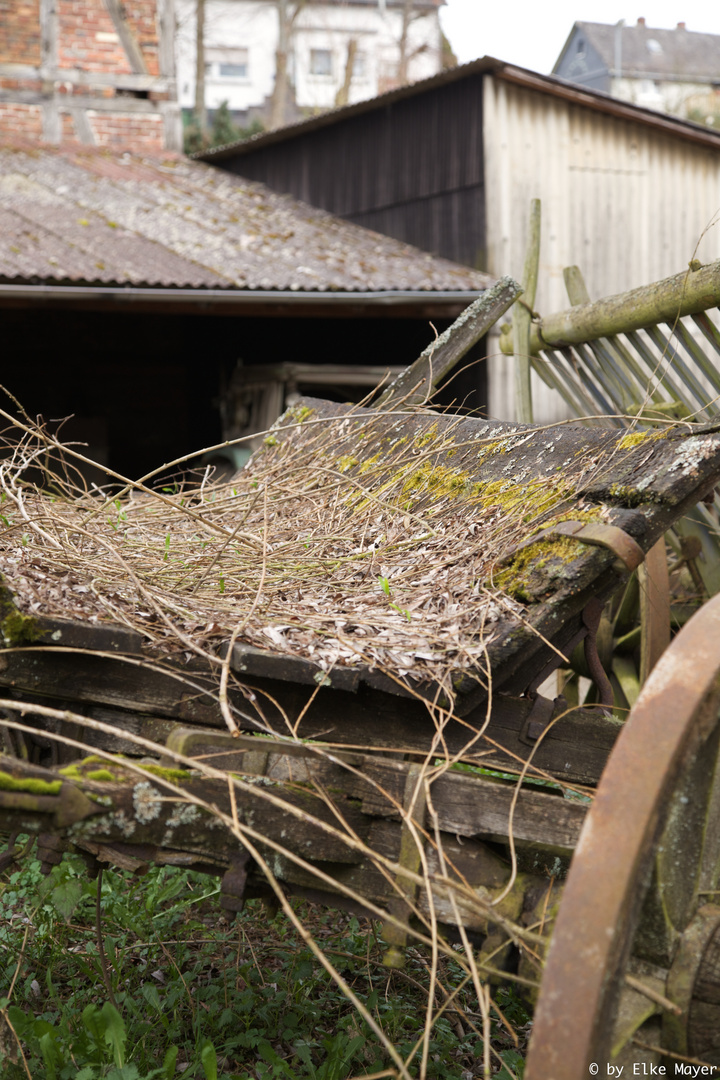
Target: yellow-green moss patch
x=437, y=480
x=367, y=465
x=29, y=784
x=100, y=774
x=82, y=770
x=536, y=497
x=301, y=413
x=426, y=437
x=514, y=579
x=635, y=438
x=16, y=628
x=173, y=775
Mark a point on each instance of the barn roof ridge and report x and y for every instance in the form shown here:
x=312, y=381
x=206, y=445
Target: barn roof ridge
x=486, y=65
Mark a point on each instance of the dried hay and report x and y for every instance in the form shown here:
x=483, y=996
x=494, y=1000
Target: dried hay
x=387, y=559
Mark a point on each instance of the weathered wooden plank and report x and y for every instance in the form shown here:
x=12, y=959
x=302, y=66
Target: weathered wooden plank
x=662, y=474
x=466, y=805
x=103, y=680
x=688, y=293
x=474, y=806
x=137, y=823
x=17, y=628
x=249, y=660
x=665, y=475
x=136, y=808
x=575, y=748
x=653, y=471
x=416, y=383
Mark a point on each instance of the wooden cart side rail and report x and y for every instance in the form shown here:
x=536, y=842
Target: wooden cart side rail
x=150, y=702
x=285, y=780
x=323, y=815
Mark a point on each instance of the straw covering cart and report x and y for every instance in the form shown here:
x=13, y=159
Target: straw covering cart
x=276, y=679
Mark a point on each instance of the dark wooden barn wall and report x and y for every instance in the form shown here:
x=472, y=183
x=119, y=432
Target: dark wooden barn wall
x=413, y=170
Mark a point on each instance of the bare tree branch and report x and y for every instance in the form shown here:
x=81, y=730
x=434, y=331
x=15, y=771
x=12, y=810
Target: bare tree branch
x=200, y=111
x=341, y=98
x=287, y=18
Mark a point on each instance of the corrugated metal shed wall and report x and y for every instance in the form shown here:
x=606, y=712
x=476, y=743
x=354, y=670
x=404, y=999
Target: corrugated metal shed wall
x=412, y=170
x=625, y=202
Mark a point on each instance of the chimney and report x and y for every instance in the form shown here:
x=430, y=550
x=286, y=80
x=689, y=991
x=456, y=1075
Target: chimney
x=681, y=26
x=641, y=21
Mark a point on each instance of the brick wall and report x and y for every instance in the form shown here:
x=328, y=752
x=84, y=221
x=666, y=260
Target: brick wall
x=69, y=131
x=21, y=119
x=141, y=16
x=116, y=131
x=88, y=43
x=87, y=38
x=20, y=32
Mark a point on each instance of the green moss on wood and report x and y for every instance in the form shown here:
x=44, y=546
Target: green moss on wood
x=176, y=776
x=549, y=556
x=16, y=628
x=77, y=770
x=437, y=480
x=29, y=784
x=83, y=770
x=635, y=438
x=301, y=413
x=426, y=437
x=629, y=496
x=368, y=464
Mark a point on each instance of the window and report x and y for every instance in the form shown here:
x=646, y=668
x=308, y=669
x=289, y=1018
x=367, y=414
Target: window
x=228, y=63
x=320, y=62
x=234, y=71
x=360, y=67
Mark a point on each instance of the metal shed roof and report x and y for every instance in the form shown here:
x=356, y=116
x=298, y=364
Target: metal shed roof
x=76, y=217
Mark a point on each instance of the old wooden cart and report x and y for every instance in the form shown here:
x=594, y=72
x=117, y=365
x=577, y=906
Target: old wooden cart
x=277, y=677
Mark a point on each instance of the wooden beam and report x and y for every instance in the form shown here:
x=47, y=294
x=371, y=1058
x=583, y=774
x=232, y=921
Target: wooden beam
x=417, y=382
x=688, y=293
x=522, y=318
x=127, y=37
x=575, y=285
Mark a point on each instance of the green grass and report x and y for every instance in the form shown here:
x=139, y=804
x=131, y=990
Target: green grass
x=196, y=996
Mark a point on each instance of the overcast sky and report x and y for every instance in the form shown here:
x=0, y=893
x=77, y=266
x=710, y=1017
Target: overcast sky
x=531, y=33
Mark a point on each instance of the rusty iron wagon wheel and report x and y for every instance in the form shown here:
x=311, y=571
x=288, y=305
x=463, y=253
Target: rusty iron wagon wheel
x=633, y=969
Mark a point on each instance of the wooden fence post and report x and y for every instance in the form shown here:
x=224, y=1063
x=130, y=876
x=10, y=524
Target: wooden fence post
x=522, y=317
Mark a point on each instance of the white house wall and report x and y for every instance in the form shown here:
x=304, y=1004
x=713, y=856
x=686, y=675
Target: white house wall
x=252, y=25
x=699, y=101
x=377, y=32
x=229, y=25
x=627, y=204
